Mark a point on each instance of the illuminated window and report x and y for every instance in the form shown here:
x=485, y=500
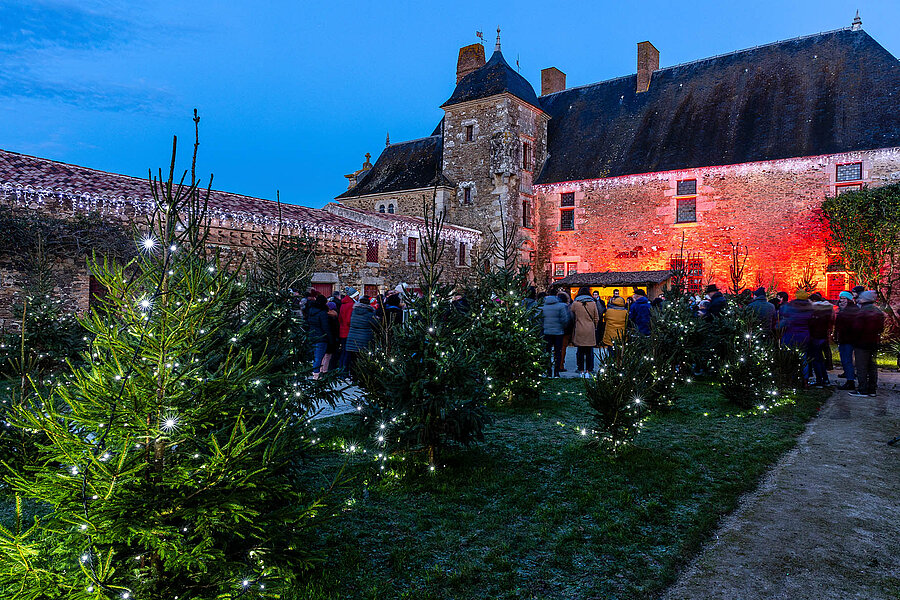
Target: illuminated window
x=686, y=199
x=372, y=251
x=559, y=270
x=848, y=177
x=411, y=249
x=470, y=133
x=571, y=268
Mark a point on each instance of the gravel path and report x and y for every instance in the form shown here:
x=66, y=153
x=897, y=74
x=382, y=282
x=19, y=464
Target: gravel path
x=824, y=524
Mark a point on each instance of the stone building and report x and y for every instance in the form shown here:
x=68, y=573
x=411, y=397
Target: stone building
x=357, y=248
x=635, y=173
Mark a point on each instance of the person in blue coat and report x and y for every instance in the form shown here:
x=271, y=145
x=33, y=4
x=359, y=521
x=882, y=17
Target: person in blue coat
x=555, y=319
x=362, y=330
x=639, y=313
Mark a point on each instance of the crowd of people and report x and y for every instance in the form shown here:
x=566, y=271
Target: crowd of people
x=344, y=324
x=808, y=322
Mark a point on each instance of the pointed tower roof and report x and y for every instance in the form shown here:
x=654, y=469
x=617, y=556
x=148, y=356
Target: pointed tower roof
x=495, y=77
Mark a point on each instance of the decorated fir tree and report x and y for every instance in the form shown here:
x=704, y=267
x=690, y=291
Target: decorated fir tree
x=168, y=471
x=506, y=332
x=425, y=390
x=617, y=394
x=747, y=374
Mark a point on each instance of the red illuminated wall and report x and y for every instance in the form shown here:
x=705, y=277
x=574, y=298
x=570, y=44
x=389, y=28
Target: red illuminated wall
x=629, y=223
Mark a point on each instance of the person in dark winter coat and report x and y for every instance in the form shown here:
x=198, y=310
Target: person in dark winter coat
x=567, y=334
x=601, y=311
x=794, y=326
x=717, y=301
x=819, y=335
x=639, y=313
x=869, y=327
x=844, y=335
x=319, y=332
x=334, y=342
x=362, y=330
x=555, y=321
x=764, y=311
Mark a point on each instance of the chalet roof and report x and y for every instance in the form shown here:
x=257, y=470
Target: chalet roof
x=820, y=94
x=613, y=278
x=492, y=78
x=404, y=166
x=22, y=173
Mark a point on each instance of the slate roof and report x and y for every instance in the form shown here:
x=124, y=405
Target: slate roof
x=404, y=166
x=494, y=77
x=400, y=220
x=21, y=171
x=821, y=94
x=612, y=278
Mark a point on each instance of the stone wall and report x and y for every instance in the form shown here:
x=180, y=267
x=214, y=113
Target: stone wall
x=629, y=223
x=492, y=163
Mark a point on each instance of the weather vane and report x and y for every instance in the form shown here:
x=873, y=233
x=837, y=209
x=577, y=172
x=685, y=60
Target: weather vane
x=480, y=36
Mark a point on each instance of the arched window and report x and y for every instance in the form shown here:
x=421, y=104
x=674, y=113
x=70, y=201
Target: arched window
x=390, y=209
x=381, y=208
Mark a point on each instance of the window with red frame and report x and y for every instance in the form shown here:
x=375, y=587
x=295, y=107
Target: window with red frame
x=372, y=251
x=848, y=177
x=692, y=271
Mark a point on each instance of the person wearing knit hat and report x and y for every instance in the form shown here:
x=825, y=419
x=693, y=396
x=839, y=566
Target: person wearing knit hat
x=351, y=291
x=801, y=295
x=869, y=327
x=764, y=311
x=844, y=336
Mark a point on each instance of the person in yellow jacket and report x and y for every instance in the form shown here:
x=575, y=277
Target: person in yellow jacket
x=616, y=321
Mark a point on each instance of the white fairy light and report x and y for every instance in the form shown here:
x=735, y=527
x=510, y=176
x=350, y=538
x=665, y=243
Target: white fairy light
x=148, y=243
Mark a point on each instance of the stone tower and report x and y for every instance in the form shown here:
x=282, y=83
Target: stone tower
x=494, y=145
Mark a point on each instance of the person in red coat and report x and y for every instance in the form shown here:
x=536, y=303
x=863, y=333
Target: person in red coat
x=346, y=310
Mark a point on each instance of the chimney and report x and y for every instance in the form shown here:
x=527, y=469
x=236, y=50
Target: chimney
x=470, y=59
x=647, y=62
x=552, y=80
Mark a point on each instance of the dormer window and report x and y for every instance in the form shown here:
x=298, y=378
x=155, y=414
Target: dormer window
x=381, y=208
x=390, y=209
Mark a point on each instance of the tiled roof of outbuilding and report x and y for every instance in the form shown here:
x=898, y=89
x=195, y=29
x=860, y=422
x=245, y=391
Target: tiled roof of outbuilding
x=404, y=166
x=494, y=77
x=612, y=278
x=24, y=172
x=821, y=94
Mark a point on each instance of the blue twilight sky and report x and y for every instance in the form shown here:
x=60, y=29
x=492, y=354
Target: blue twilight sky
x=293, y=94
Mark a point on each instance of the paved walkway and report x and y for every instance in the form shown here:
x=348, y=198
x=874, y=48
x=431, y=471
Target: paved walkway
x=825, y=523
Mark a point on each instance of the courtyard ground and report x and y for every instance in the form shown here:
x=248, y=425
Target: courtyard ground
x=823, y=524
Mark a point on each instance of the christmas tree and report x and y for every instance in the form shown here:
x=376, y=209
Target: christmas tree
x=426, y=390
x=617, y=394
x=168, y=470
x=506, y=331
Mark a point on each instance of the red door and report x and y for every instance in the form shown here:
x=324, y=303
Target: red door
x=326, y=289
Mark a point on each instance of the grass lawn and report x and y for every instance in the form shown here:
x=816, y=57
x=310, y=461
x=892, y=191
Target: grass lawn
x=537, y=512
